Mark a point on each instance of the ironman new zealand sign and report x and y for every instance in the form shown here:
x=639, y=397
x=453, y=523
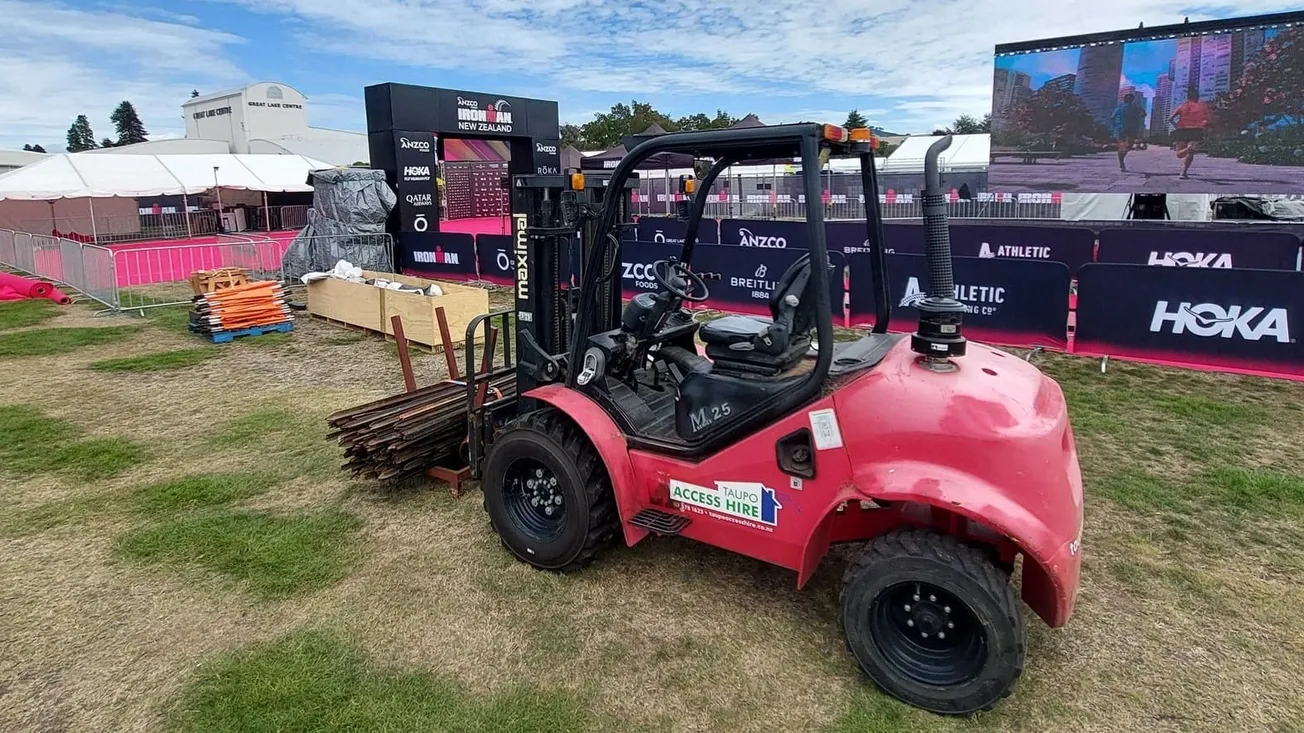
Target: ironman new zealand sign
x=730, y=501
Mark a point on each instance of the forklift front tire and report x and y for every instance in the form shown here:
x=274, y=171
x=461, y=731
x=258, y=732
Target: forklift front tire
x=933, y=622
x=547, y=492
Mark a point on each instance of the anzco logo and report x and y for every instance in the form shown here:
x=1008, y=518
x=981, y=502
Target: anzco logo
x=421, y=146
x=747, y=239
x=548, y=149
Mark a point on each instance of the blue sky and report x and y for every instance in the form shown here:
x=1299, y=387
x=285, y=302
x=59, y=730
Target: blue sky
x=908, y=65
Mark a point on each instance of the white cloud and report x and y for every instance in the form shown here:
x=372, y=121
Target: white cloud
x=930, y=60
x=57, y=62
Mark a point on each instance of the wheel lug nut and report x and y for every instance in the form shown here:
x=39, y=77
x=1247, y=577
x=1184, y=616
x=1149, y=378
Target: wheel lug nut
x=950, y=625
x=548, y=511
x=909, y=622
x=932, y=599
x=907, y=606
x=941, y=634
x=538, y=473
x=946, y=609
x=924, y=634
x=916, y=596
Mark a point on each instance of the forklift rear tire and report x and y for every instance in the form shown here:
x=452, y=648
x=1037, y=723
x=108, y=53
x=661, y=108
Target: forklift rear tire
x=547, y=492
x=933, y=622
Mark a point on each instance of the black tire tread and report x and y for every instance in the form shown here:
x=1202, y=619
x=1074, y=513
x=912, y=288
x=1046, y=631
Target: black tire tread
x=972, y=561
x=604, y=523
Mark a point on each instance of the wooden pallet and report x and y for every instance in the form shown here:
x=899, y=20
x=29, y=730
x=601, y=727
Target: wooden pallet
x=226, y=337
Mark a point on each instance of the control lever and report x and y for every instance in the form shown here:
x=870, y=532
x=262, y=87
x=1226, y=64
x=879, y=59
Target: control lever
x=570, y=210
x=545, y=367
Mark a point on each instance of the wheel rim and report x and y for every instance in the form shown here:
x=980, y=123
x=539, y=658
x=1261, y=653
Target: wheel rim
x=534, y=499
x=928, y=634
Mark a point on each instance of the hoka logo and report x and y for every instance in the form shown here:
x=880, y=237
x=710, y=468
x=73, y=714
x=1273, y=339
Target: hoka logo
x=1208, y=319
x=1189, y=259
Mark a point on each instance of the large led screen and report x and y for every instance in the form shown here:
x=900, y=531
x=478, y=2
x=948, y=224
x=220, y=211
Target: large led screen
x=1199, y=108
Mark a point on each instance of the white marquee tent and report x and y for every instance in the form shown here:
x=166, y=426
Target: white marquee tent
x=98, y=176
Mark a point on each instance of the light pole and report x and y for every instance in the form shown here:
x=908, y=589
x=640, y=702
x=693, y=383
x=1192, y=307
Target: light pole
x=217, y=189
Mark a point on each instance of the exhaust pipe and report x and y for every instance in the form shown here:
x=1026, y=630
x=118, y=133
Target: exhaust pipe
x=939, y=336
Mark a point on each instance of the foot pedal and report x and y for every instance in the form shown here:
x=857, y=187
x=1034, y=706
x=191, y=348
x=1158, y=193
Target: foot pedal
x=659, y=522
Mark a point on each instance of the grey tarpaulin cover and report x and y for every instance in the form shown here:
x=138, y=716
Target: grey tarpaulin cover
x=346, y=222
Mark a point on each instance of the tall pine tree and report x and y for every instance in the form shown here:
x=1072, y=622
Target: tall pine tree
x=128, y=124
x=81, y=136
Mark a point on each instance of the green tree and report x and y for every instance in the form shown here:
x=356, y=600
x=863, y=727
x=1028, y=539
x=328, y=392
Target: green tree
x=885, y=148
x=80, y=135
x=572, y=135
x=33, y=148
x=1055, y=115
x=1268, y=93
x=702, y=121
x=855, y=119
x=607, y=128
x=127, y=122
x=986, y=124
x=107, y=143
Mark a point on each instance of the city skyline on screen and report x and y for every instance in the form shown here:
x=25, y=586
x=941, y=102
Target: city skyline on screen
x=1062, y=118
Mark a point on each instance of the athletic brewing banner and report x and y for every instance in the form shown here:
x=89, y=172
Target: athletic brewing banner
x=442, y=256
x=1011, y=302
x=1200, y=248
x=1235, y=320
x=1071, y=246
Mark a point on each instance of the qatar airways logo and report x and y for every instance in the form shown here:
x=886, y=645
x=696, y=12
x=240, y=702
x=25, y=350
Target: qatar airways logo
x=420, y=199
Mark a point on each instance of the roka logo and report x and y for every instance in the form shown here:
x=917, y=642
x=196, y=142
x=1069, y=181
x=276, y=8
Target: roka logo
x=548, y=149
x=422, y=146
x=1191, y=259
x=1209, y=319
x=747, y=239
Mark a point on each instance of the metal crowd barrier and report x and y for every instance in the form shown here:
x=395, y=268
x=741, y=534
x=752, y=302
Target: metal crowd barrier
x=135, y=278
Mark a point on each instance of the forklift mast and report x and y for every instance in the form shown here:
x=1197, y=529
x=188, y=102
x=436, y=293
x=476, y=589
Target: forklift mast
x=554, y=225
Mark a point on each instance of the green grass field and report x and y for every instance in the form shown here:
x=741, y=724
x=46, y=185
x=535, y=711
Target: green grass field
x=182, y=553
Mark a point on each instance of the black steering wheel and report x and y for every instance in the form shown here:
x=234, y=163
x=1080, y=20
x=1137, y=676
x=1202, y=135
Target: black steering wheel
x=678, y=280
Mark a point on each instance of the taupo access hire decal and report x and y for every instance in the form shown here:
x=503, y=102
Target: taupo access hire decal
x=743, y=502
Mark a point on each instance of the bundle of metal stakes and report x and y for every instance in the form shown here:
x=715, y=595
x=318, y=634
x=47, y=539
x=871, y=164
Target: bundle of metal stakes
x=404, y=435
x=239, y=307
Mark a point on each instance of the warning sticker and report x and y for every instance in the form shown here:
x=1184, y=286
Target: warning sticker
x=824, y=428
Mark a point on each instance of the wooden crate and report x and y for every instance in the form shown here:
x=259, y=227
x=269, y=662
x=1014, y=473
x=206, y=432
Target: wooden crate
x=208, y=281
x=370, y=307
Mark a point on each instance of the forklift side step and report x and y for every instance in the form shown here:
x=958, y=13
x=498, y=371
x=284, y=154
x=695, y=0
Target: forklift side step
x=659, y=522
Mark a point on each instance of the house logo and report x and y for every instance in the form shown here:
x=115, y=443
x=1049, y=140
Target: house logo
x=753, y=503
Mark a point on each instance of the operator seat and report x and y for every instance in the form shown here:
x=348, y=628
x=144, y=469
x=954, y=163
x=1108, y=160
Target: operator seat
x=747, y=345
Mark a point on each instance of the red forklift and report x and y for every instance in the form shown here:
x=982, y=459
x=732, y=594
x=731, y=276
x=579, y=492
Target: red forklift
x=944, y=460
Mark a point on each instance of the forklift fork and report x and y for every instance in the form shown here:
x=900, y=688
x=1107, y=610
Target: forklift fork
x=491, y=388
